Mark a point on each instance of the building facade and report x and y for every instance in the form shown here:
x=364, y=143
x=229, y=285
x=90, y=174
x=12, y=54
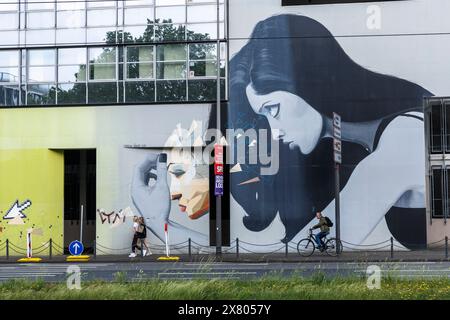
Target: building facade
x=92, y=93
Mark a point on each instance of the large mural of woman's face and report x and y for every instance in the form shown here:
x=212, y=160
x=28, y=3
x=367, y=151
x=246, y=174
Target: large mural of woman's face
x=292, y=75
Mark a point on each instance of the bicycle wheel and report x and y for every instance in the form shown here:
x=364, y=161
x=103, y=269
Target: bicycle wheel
x=305, y=247
x=333, y=247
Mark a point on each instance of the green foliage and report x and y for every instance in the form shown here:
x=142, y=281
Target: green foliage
x=120, y=277
x=294, y=288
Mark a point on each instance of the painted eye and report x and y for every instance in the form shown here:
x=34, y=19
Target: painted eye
x=272, y=109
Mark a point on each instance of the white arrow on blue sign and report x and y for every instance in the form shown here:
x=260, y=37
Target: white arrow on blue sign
x=76, y=248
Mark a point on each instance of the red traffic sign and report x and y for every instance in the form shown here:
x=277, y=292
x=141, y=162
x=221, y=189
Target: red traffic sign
x=218, y=153
x=218, y=169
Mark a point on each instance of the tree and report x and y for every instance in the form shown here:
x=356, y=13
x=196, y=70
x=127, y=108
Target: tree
x=144, y=91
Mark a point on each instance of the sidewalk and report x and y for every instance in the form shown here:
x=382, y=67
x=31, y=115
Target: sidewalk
x=360, y=256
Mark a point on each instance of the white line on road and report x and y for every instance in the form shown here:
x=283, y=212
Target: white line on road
x=206, y=273
x=225, y=264
x=27, y=275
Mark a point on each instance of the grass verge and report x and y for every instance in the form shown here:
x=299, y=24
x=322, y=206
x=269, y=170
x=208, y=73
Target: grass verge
x=298, y=288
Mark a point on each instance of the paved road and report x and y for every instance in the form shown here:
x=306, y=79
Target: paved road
x=194, y=270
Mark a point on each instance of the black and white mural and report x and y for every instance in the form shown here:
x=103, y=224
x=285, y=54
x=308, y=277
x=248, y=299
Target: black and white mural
x=291, y=75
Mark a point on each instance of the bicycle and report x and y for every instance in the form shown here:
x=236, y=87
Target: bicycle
x=307, y=246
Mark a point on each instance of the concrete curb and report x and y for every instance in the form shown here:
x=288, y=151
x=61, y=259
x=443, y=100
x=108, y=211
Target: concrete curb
x=258, y=258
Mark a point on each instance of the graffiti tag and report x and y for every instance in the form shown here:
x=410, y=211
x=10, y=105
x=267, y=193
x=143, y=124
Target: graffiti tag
x=16, y=210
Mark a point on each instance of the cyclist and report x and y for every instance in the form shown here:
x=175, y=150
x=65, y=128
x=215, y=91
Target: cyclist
x=324, y=230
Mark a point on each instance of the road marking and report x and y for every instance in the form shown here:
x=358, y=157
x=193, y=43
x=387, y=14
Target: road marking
x=193, y=278
x=205, y=273
x=225, y=264
x=27, y=275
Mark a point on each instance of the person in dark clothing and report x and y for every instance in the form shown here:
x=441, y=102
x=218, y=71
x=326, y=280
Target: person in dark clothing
x=134, y=244
x=324, y=230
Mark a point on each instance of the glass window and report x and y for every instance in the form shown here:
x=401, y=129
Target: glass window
x=71, y=19
x=169, y=2
x=171, y=70
x=72, y=56
x=41, y=74
x=171, y=61
x=436, y=144
x=170, y=91
x=102, y=55
x=140, y=54
x=9, y=21
x=72, y=93
x=9, y=74
x=171, y=52
x=202, y=69
x=40, y=37
x=72, y=73
x=41, y=94
x=70, y=36
x=140, y=70
x=171, y=14
x=40, y=5
x=170, y=32
x=139, y=16
x=139, y=91
x=9, y=5
x=130, y=3
x=202, y=51
x=138, y=34
x=70, y=4
x=9, y=58
x=437, y=192
x=40, y=20
x=9, y=68
x=102, y=72
x=446, y=119
x=204, y=1
x=102, y=63
x=102, y=92
x=202, y=13
x=101, y=3
x=101, y=17
x=205, y=90
x=202, y=31
x=9, y=94
x=39, y=57
x=140, y=62
x=101, y=35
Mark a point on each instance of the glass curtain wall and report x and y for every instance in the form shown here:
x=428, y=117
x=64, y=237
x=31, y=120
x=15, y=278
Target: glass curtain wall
x=153, y=51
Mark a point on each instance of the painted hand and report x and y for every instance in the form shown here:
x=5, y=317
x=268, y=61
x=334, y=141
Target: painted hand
x=153, y=202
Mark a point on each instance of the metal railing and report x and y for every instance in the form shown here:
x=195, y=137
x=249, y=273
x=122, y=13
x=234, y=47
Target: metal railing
x=237, y=247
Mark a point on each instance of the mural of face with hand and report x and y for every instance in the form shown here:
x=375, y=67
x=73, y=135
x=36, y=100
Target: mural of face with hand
x=299, y=124
x=190, y=186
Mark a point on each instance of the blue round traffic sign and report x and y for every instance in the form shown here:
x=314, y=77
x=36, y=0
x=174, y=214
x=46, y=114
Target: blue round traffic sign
x=76, y=248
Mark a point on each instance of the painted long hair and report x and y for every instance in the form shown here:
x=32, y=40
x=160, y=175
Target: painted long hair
x=297, y=54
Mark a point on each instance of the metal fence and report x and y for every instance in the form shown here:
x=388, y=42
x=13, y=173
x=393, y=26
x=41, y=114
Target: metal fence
x=237, y=248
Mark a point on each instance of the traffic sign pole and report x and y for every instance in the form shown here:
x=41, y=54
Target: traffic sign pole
x=81, y=224
x=218, y=192
x=167, y=257
x=337, y=204
x=337, y=154
x=219, y=127
x=76, y=250
x=29, y=248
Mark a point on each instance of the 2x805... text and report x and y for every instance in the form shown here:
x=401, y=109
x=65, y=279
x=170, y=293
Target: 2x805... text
x=226, y=309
